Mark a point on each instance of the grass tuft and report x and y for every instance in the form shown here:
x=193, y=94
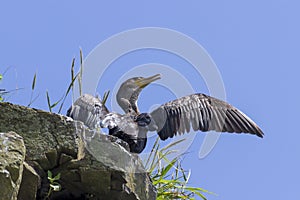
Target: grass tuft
x=168, y=176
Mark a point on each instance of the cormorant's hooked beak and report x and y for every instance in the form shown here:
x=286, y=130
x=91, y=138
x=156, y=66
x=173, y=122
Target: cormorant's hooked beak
x=146, y=81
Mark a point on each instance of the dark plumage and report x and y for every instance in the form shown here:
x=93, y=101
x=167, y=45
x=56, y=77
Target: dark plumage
x=201, y=112
x=196, y=111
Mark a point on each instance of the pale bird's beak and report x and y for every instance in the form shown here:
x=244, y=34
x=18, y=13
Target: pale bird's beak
x=146, y=81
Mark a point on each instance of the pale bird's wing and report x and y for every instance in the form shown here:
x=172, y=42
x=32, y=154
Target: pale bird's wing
x=88, y=109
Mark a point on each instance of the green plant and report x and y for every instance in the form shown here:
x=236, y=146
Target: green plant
x=1, y=90
x=4, y=92
x=105, y=96
x=70, y=87
x=80, y=72
x=32, y=90
x=54, y=186
x=170, y=180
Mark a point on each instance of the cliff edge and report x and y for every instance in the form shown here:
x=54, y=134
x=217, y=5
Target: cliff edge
x=91, y=165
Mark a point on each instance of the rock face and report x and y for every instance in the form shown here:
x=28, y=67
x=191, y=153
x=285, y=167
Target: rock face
x=91, y=165
x=12, y=156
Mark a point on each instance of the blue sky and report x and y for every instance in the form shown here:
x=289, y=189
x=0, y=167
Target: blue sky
x=254, y=44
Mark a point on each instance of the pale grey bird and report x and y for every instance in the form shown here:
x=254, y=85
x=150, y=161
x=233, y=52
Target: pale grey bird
x=196, y=111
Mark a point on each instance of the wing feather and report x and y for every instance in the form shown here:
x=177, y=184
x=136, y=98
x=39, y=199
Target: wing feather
x=186, y=118
x=201, y=112
x=182, y=122
x=88, y=109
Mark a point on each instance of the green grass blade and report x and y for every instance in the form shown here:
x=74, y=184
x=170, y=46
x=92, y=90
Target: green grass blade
x=72, y=76
x=67, y=92
x=48, y=101
x=33, y=81
x=72, y=68
x=172, y=144
x=49, y=173
x=55, y=104
x=32, y=90
x=167, y=169
x=1, y=90
x=195, y=189
x=80, y=72
x=105, y=96
x=153, y=150
x=57, y=177
x=155, y=160
x=169, y=177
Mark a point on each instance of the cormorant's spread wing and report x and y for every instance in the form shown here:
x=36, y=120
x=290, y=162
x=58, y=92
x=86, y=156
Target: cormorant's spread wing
x=88, y=109
x=202, y=112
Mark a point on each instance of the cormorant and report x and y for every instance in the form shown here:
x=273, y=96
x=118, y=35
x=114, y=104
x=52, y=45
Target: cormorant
x=196, y=111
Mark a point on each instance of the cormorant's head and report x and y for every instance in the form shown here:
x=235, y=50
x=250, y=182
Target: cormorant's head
x=129, y=91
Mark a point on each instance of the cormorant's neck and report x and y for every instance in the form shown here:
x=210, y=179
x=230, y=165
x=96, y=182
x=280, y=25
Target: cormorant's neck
x=128, y=101
x=133, y=101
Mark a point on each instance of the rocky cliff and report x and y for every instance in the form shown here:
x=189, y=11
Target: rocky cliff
x=91, y=165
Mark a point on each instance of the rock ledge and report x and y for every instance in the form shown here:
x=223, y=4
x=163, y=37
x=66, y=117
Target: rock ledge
x=92, y=165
